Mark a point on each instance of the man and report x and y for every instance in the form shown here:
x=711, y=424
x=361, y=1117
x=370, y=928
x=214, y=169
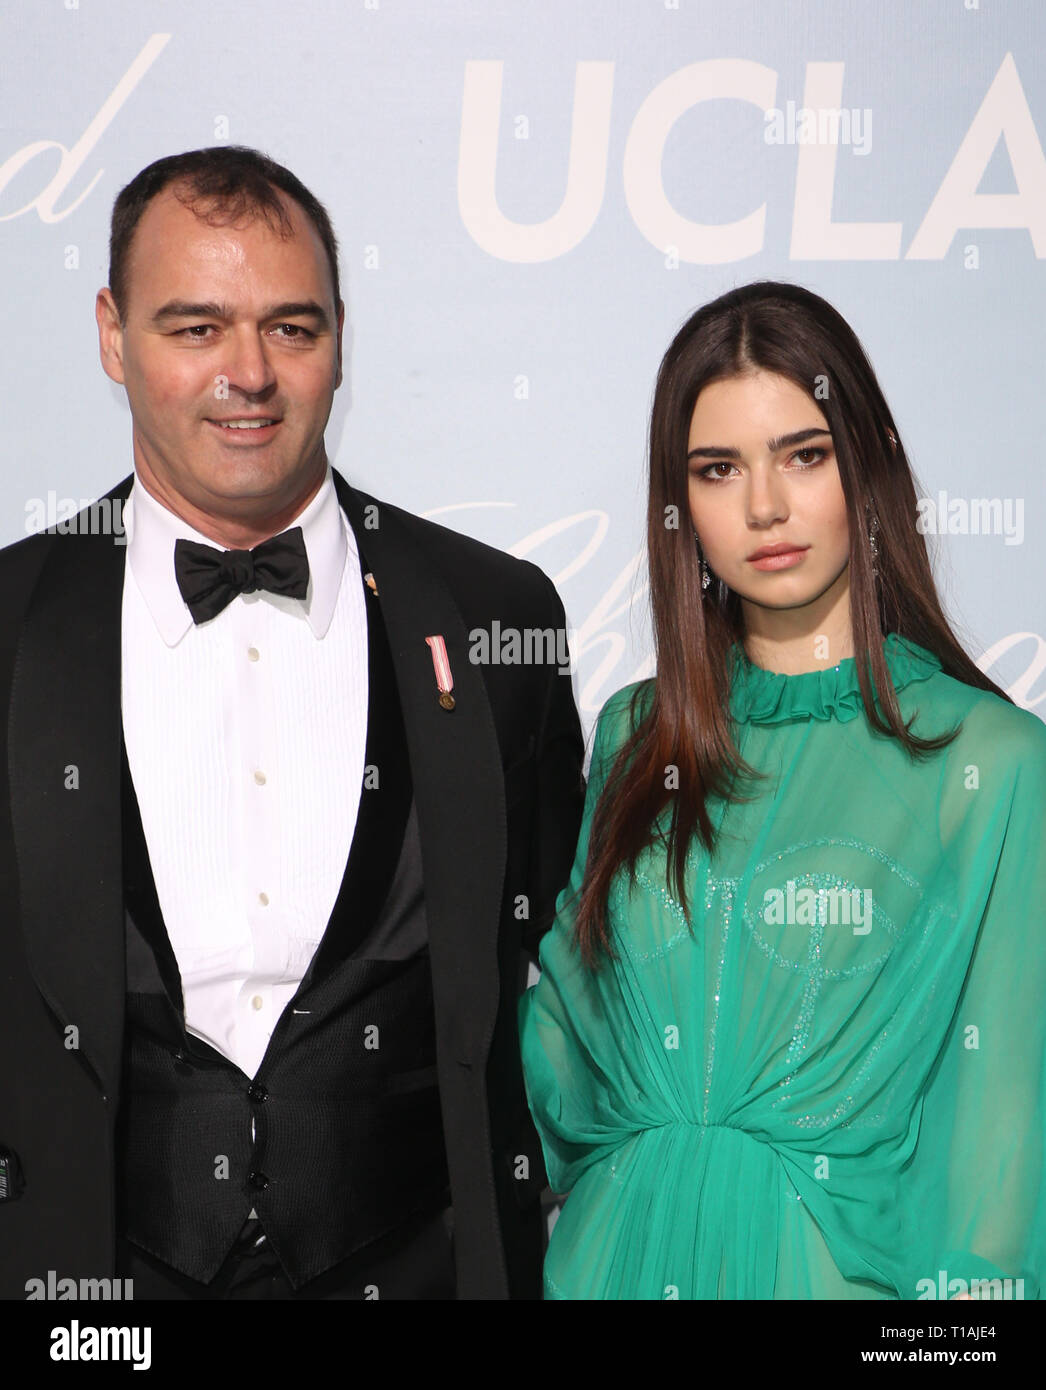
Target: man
x=274, y=842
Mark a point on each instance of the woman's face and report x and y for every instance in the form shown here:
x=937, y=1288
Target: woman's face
x=763, y=475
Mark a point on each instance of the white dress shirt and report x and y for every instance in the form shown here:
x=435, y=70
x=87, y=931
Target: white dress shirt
x=246, y=739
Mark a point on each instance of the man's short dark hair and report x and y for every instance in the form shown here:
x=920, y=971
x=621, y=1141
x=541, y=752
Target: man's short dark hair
x=223, y=184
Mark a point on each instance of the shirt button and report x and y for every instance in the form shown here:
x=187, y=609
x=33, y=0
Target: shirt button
x=252, y=653
x=259, y=777
x=257, y=1002
x=263, y=898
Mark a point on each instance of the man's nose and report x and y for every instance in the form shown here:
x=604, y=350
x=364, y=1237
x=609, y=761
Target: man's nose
x=248, y=365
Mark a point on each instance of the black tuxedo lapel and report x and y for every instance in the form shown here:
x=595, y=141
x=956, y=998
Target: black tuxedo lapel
x=65, y=714
x=383, y=809
x=456, y=769
x=152, y=968
x=460, y=798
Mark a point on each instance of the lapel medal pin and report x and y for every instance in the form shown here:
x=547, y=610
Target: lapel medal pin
x=441, y=665
x=369, y=580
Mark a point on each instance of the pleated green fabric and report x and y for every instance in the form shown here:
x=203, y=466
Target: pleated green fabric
x=829, y=1082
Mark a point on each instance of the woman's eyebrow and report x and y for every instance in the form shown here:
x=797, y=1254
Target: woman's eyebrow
x=786, y=441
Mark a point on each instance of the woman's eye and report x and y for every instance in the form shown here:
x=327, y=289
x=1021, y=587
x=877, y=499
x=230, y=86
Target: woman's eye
x=709, y=474
x=808, y=462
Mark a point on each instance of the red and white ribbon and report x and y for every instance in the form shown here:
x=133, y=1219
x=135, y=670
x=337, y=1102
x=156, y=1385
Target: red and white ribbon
x=441, y=664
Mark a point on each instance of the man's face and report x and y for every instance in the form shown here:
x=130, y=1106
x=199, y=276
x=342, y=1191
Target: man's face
x=226, y=324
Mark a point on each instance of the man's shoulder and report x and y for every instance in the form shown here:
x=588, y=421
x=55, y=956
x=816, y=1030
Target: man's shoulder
x=22, y=560
x=71, y=541
x=465, y=562
x=98, y=515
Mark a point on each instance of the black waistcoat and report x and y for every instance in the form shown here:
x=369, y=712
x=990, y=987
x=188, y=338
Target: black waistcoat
x=347, y=1133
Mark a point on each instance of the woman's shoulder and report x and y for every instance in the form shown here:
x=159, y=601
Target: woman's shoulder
x=622, y=712
x=617, y=720
x=998, y=748
x=989, y=721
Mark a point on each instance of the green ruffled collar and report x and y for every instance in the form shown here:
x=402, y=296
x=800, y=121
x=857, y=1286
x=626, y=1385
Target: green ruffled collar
x=767, y=697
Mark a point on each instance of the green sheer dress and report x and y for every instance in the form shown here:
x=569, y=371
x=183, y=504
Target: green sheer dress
x=829, y=1082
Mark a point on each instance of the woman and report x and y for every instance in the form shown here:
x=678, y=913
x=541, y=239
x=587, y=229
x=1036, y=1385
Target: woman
x=789, y=1037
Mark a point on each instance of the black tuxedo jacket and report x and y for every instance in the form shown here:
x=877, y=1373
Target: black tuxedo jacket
x=499, y=793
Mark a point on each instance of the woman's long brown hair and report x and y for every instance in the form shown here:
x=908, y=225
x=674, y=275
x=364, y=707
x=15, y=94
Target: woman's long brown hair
x=792, y=332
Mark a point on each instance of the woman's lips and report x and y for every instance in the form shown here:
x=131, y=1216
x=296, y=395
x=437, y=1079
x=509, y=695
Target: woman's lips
x=783, y=560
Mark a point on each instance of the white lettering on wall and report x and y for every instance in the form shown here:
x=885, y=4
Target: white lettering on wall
x=586, y=170
x=71, y=160
x=1004, y=113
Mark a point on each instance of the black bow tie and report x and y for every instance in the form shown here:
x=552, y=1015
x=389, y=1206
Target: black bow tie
x=209, y=579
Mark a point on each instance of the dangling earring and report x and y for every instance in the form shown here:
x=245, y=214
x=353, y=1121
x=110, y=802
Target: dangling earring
x=706, y=578
x=873, y=543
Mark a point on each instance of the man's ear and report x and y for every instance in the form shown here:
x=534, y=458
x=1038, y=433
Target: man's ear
x=341, y=325
x=110, y=335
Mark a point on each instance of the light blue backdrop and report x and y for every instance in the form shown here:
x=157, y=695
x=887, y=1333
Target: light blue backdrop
x=531, y=197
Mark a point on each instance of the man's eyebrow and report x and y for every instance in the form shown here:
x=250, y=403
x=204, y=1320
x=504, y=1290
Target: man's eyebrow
x=786, y=441
x=299, y=309
x=289, y=309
